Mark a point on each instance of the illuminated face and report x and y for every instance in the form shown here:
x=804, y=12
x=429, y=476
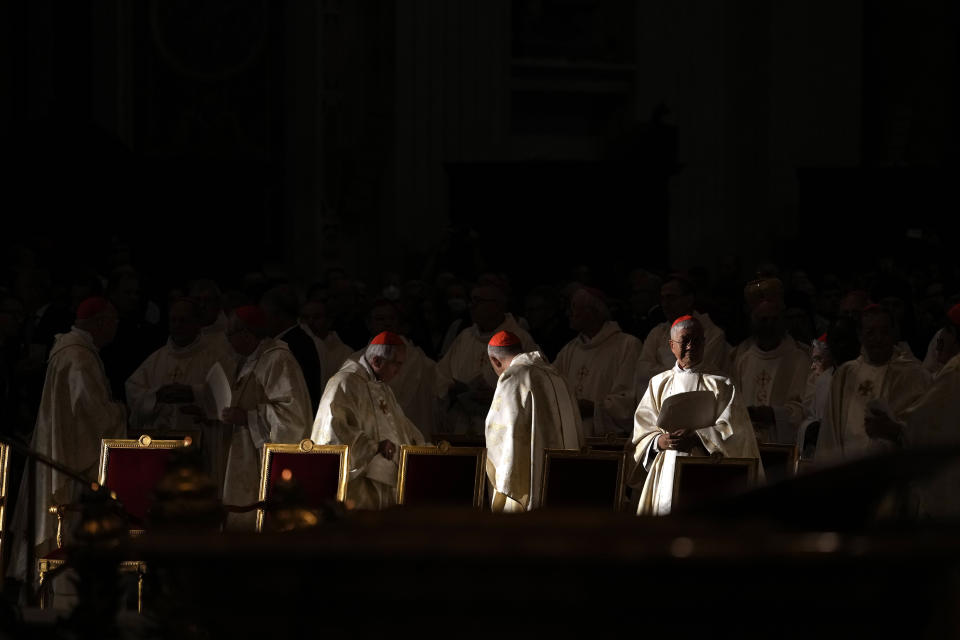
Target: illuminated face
x=387, y=371
x=687, y=346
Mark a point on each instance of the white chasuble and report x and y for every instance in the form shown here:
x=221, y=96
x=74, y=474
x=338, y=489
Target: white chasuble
x=776, y=379
x=360, y=411
x=890, y=388
x=76, y=411
x=731, y=436
x=592, y=368
x=171, y=364
x=269, y=386
x=418, y=387
x=533, y=409
x=466, y=361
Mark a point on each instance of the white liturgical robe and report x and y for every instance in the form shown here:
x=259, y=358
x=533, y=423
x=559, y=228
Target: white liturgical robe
x=171, y=364
x=269, y=386
x=777, y=379
x=360, y=411
x=533, y=409
x=857, y=387
x=466, y=361
x=731, y=436
x=76, y=411
x=934, y=420
x=593, y=366
x=656, y=356
x=418, y=387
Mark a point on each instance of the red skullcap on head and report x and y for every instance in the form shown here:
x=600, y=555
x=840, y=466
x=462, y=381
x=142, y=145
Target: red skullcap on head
x=680, y=319
x=91, y=307
x=252, y=316
x=504, y=339
x=387, y=337
x=822, y=338
x=954, y=314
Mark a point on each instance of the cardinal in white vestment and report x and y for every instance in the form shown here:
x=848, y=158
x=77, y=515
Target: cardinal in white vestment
x=360, y=410
x=869, y=393
x=533, y=409
x=677, y=299
x=418, y=386
x=270, y=404
x=466, y=362
x=76, y=412
x=656, y=447
x=771, y=376
x=595, y=360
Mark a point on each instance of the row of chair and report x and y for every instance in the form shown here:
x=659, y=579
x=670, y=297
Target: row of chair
x=443, y=475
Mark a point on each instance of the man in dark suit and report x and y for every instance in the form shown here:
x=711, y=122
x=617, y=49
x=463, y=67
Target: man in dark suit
x=281, y=304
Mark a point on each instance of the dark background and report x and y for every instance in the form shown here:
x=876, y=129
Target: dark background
x=209, y=136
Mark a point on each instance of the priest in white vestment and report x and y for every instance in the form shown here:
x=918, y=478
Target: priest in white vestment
x=870, y=392
x=359, y=409
x=418, y=385
x=333, y=352
x=467, y=364
x=771, y=376
x=169, y=390
x=594, y=362
x=677, y=299
x=533, y=409
x=270, y=403
x=656, y=447
x=76, y=412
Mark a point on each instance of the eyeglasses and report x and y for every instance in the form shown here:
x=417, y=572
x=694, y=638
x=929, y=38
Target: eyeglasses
x=691, y=342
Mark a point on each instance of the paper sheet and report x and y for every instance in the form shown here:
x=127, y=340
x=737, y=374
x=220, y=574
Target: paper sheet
x=219, y=388
x=688, y=410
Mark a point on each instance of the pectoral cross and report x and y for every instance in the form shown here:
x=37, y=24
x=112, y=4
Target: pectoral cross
x=581, y=374
x=865, y=390
x=383, y=406
x=762, y=381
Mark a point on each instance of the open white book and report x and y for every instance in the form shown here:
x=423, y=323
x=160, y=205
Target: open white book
x=688, y=410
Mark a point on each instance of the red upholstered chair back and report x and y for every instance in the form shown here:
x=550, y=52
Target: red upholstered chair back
x=318, y=474
x=133, y=468
x=441, y=476
x=319, y=470
x=699, y=479
x=590, y=480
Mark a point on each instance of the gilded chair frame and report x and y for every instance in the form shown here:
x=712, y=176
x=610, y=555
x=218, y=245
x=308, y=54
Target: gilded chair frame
x=684, y=461
x=306, y=447
x=791, y=449
x=4, y=472
x=444, y=449
x=48, y=566
x=588, y=454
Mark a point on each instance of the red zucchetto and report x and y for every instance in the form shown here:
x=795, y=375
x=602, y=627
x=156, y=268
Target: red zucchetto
x=680, y=319
x=504, y=339
x=388, y=338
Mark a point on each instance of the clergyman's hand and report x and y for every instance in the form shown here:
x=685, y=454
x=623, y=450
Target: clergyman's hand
x=668, y=441
x=387, y=449
x=688, y=439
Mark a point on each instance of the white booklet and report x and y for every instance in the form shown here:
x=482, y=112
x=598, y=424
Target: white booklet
x=219, y=388
x=688, y=410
